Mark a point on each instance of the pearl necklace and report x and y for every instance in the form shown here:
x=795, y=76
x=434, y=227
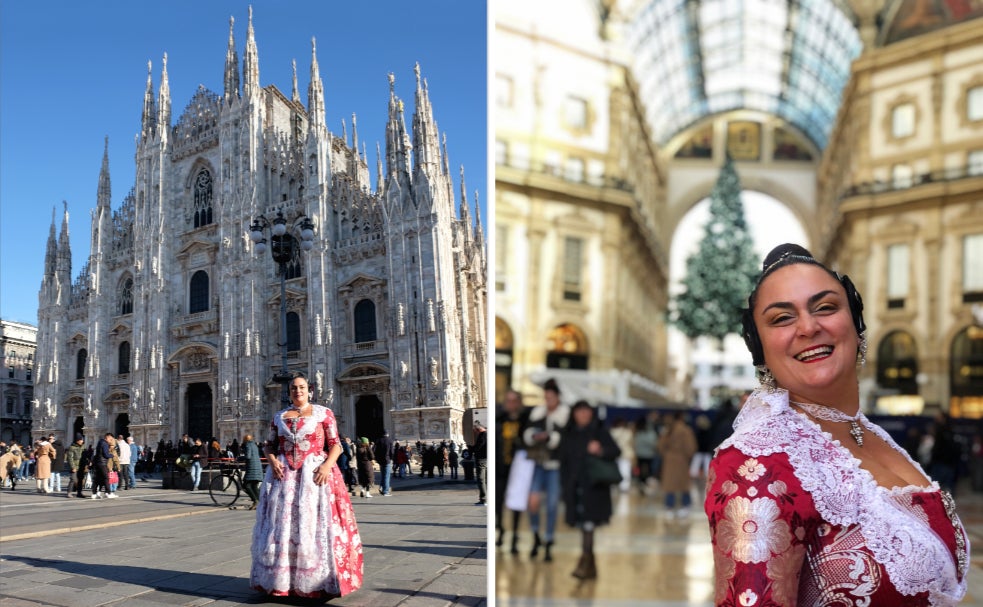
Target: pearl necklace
x=833, y=415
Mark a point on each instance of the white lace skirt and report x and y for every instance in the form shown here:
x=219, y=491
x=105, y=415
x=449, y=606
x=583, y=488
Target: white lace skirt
x=305, y=541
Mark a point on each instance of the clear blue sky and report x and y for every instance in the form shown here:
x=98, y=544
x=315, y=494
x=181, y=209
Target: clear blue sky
x=73, y=73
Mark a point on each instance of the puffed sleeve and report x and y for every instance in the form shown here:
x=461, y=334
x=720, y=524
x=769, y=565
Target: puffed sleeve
x=755, y=506
x=330, y=429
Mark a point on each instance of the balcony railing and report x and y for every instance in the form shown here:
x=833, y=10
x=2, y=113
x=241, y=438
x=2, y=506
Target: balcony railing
x=365, y=348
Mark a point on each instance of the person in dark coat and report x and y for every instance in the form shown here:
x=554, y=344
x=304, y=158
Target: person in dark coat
x=384, y=455
x=254, y=469
x=366, y=466
x=586, y=505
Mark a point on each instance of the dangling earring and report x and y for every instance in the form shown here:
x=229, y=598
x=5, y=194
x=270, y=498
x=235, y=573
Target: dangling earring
x=862, y=350
x=766, y=379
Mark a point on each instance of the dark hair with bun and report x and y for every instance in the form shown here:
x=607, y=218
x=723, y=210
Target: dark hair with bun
x=785, y=255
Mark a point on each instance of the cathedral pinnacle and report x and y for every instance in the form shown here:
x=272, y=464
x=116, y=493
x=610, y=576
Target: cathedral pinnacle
x=149, y=120
x=164, y=97
x=104, y=191
x=315, y=91
x=231, y=66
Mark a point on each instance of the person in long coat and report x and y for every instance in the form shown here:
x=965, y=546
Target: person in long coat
x=44, y=453
x=254, y=469
x=366, y=466
x=586, y=505
x=677, y=447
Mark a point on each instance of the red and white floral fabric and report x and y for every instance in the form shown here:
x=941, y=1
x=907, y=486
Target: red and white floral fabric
x=795, y=520
x=305, y=541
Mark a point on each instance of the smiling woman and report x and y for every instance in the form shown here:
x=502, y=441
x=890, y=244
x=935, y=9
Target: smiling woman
x=809, y=502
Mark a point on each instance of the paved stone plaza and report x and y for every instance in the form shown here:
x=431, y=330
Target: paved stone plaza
x=424, y=546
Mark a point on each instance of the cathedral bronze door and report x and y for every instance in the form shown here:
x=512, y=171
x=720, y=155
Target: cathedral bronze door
x=199, y=411
x=368, y=417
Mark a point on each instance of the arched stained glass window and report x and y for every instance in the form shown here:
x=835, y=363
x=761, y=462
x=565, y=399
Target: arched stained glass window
x=125, y=298
x=203, y=199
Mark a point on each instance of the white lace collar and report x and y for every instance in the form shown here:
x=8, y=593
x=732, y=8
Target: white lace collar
x=318, y=413
x=913, y=555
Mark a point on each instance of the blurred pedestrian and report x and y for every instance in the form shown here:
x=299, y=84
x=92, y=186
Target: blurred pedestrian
x=677, y=446
x=646, y=444
x=73, y=459
x=481, y=462
x=253, y=476
x=44, y=453
x=624, y=437
x=542, y=439
x=587, y=504
x=384, y=457
x=366, y=467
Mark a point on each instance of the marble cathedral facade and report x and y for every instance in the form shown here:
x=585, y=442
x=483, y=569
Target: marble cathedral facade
x=174, y=323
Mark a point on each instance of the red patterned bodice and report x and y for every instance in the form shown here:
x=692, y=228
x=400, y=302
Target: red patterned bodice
x=298, y=437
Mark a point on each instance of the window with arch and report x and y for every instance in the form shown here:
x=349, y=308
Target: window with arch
x=293, y=332
x=566, y=348
x=897, y=363
x=124, y=358
x=125, y=297
x=11, y=357
x=10, y=405
x=365, y=321
x=966, y=373
x=292, y=268
x=203, y=199
x=80, y=360
x=504, y=344
x=198, y=292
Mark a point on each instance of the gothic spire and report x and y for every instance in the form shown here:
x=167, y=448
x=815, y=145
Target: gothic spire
x=355, y=136
x=295, y=95
x=465, y=212
x=51, y=251
x=231, y=66
x=164, y=98
x=104, y=191
x=398, y=146
x=315, y=91
x=379, y=180
x=479, y=232
x=250, y=63
x=149, y=119
x=64, y=263
x=425, y=134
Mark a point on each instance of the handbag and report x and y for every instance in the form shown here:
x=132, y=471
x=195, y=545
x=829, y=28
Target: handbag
x=113, y=477
x=601, y=472
x=520, y=482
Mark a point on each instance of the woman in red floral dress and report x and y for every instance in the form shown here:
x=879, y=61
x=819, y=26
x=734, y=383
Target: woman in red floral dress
x=305, y=542
x=809, y=502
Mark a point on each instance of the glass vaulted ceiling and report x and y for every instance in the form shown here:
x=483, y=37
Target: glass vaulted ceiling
x=789, y=58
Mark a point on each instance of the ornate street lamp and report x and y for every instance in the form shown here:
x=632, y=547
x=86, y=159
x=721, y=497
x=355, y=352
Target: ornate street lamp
x=284, y=249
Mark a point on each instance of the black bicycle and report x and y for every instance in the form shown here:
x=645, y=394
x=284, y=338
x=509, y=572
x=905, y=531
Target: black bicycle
x=226, y=481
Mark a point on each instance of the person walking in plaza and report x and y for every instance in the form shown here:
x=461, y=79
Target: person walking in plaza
x=646, y=445
x=384, y=456
x=809, y=502
x=306, y=541
x=199, y=457
x=677, y=447
x=136, y=455
x=542, y=439
x=57, y=464
x=624, y=435
x=102, y=455
x=453, y=463
x=480, y=451
x=73, y=459
x=44, y=453
x=365, y=467
x=124, y=461
x=587, y=505
x=402, y=459
x=508, y=442
x=253, y=476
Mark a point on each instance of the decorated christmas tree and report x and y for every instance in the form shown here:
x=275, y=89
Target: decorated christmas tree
x=719, y=276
